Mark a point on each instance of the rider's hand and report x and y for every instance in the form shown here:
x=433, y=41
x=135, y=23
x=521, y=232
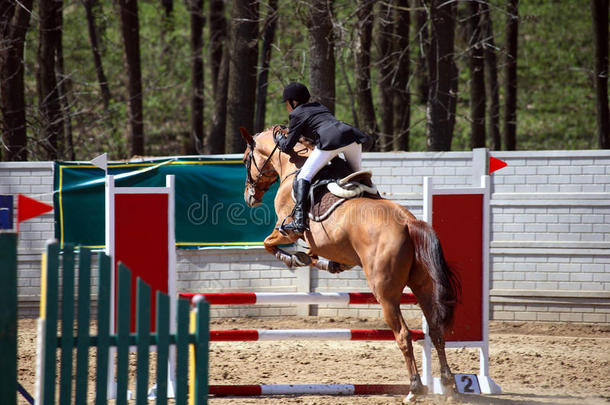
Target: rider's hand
x=306, y=142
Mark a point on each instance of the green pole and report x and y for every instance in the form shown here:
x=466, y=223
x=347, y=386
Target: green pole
x=8, y=318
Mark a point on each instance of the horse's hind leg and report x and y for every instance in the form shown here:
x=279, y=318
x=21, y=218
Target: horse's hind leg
x=394, y=319
x=436, y=333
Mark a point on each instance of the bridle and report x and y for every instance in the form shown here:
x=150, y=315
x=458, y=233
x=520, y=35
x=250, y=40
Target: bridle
x=252, y=182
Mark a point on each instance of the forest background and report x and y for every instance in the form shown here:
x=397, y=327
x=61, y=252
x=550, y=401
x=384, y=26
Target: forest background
x=166, y=77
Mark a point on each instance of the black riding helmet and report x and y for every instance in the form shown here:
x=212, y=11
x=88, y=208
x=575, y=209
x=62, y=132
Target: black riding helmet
x=297, y=92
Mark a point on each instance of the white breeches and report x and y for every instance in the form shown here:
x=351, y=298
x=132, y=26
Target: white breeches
x=320, y=158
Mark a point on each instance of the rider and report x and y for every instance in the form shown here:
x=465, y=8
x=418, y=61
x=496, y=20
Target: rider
x=330, y=136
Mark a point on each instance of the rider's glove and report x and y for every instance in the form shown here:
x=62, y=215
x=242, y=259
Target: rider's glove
x=279, y=136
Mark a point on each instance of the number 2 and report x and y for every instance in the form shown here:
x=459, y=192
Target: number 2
x=468, y=386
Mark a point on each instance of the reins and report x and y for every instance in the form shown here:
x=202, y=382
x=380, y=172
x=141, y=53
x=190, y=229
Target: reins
x=250, y=159
x=253, y=182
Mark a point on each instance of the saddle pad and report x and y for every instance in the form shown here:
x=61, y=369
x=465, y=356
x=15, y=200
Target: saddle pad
x=324, y=202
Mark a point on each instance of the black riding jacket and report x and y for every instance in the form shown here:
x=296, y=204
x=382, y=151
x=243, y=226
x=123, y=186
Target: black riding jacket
x=316, y=123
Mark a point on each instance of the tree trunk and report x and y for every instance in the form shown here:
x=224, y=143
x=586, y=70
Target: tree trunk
x=263, y=74
x=442, y=96
x=350, y=91
x=130, y=30
x=402, y=96
x=362, y=69
x=215, y=142
x=491, y=79
x=51, y=117
x=95, y=50
x=386, y=63
x=477, y=77
x=218, y=34
x=64, y=97
x=510, y=91
x=421, y=68
x=242, y=72
x=599, y=9
x=14, y=22
x=321, y=52
x=167, y=26
x=168, y=9
x=193, y=144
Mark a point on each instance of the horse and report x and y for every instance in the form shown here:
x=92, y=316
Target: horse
x=393, y=248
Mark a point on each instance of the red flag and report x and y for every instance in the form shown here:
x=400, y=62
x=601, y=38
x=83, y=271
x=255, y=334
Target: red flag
x=495, y=164
x=29, y=208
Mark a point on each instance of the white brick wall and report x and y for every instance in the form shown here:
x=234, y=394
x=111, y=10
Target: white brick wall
x=550, y=236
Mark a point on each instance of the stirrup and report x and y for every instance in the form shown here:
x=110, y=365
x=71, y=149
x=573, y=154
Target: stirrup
x=291, y=228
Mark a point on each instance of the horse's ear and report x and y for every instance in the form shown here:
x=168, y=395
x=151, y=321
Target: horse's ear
x=246, y=135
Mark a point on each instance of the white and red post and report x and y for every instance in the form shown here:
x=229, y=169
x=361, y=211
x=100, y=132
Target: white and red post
x=140, y=233
x=461, y=219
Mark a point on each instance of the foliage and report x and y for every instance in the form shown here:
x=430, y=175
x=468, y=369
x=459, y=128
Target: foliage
x=556, y=106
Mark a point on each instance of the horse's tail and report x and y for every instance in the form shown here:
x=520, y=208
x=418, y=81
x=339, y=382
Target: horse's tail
x=446, y=285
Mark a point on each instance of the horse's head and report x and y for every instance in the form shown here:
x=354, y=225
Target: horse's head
x=260, y=173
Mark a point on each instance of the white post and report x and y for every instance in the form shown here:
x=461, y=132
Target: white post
x=426, y=360
x=109, y=250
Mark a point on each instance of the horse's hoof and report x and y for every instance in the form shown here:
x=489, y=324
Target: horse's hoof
x=409, y=399
x=417, y=387
x=302, y=259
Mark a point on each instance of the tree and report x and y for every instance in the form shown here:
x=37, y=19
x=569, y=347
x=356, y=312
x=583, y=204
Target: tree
x=64, y=84
x=130, y=30
x=491, y=79
x=218, y=35
x=51, y=116
x=167, y=26
x=386, y=63
x=599, y=9
x=477, y=77
x=263, y=73
x=402, y=96
x=219, y=68
x=442, y=71
x=166, y=18
x=242, y=71
x=193, y=144
x=94, y=40
x=362, y=68
x=321, y=52
x=423, y=40
x=510, y=90
x=215, y=141
x=14, y=22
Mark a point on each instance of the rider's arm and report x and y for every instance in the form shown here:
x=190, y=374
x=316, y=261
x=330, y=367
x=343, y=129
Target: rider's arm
x=295, y=130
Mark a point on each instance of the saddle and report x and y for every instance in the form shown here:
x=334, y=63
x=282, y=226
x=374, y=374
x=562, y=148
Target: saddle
x=335, y=184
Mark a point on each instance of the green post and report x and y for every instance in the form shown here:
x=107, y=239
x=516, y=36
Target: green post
x=202, y=337
x=8, y=318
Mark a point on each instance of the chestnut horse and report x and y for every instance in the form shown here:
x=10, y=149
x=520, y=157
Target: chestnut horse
x=393, y=248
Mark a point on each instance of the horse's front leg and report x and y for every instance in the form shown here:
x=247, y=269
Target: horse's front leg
x=328, y=265
x=276, y=238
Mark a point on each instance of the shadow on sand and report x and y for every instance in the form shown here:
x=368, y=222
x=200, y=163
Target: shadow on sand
x=509, y=398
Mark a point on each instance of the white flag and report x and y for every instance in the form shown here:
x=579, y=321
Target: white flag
x=101, y=161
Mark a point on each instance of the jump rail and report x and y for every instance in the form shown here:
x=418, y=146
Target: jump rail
x=342, y=298
x=307, y=334
x=308, y=389
x=252, y=298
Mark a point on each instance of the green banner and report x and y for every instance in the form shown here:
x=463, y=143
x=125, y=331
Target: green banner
x=210, y=207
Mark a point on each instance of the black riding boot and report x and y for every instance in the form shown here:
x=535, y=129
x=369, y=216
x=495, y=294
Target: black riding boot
x=301, y=208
